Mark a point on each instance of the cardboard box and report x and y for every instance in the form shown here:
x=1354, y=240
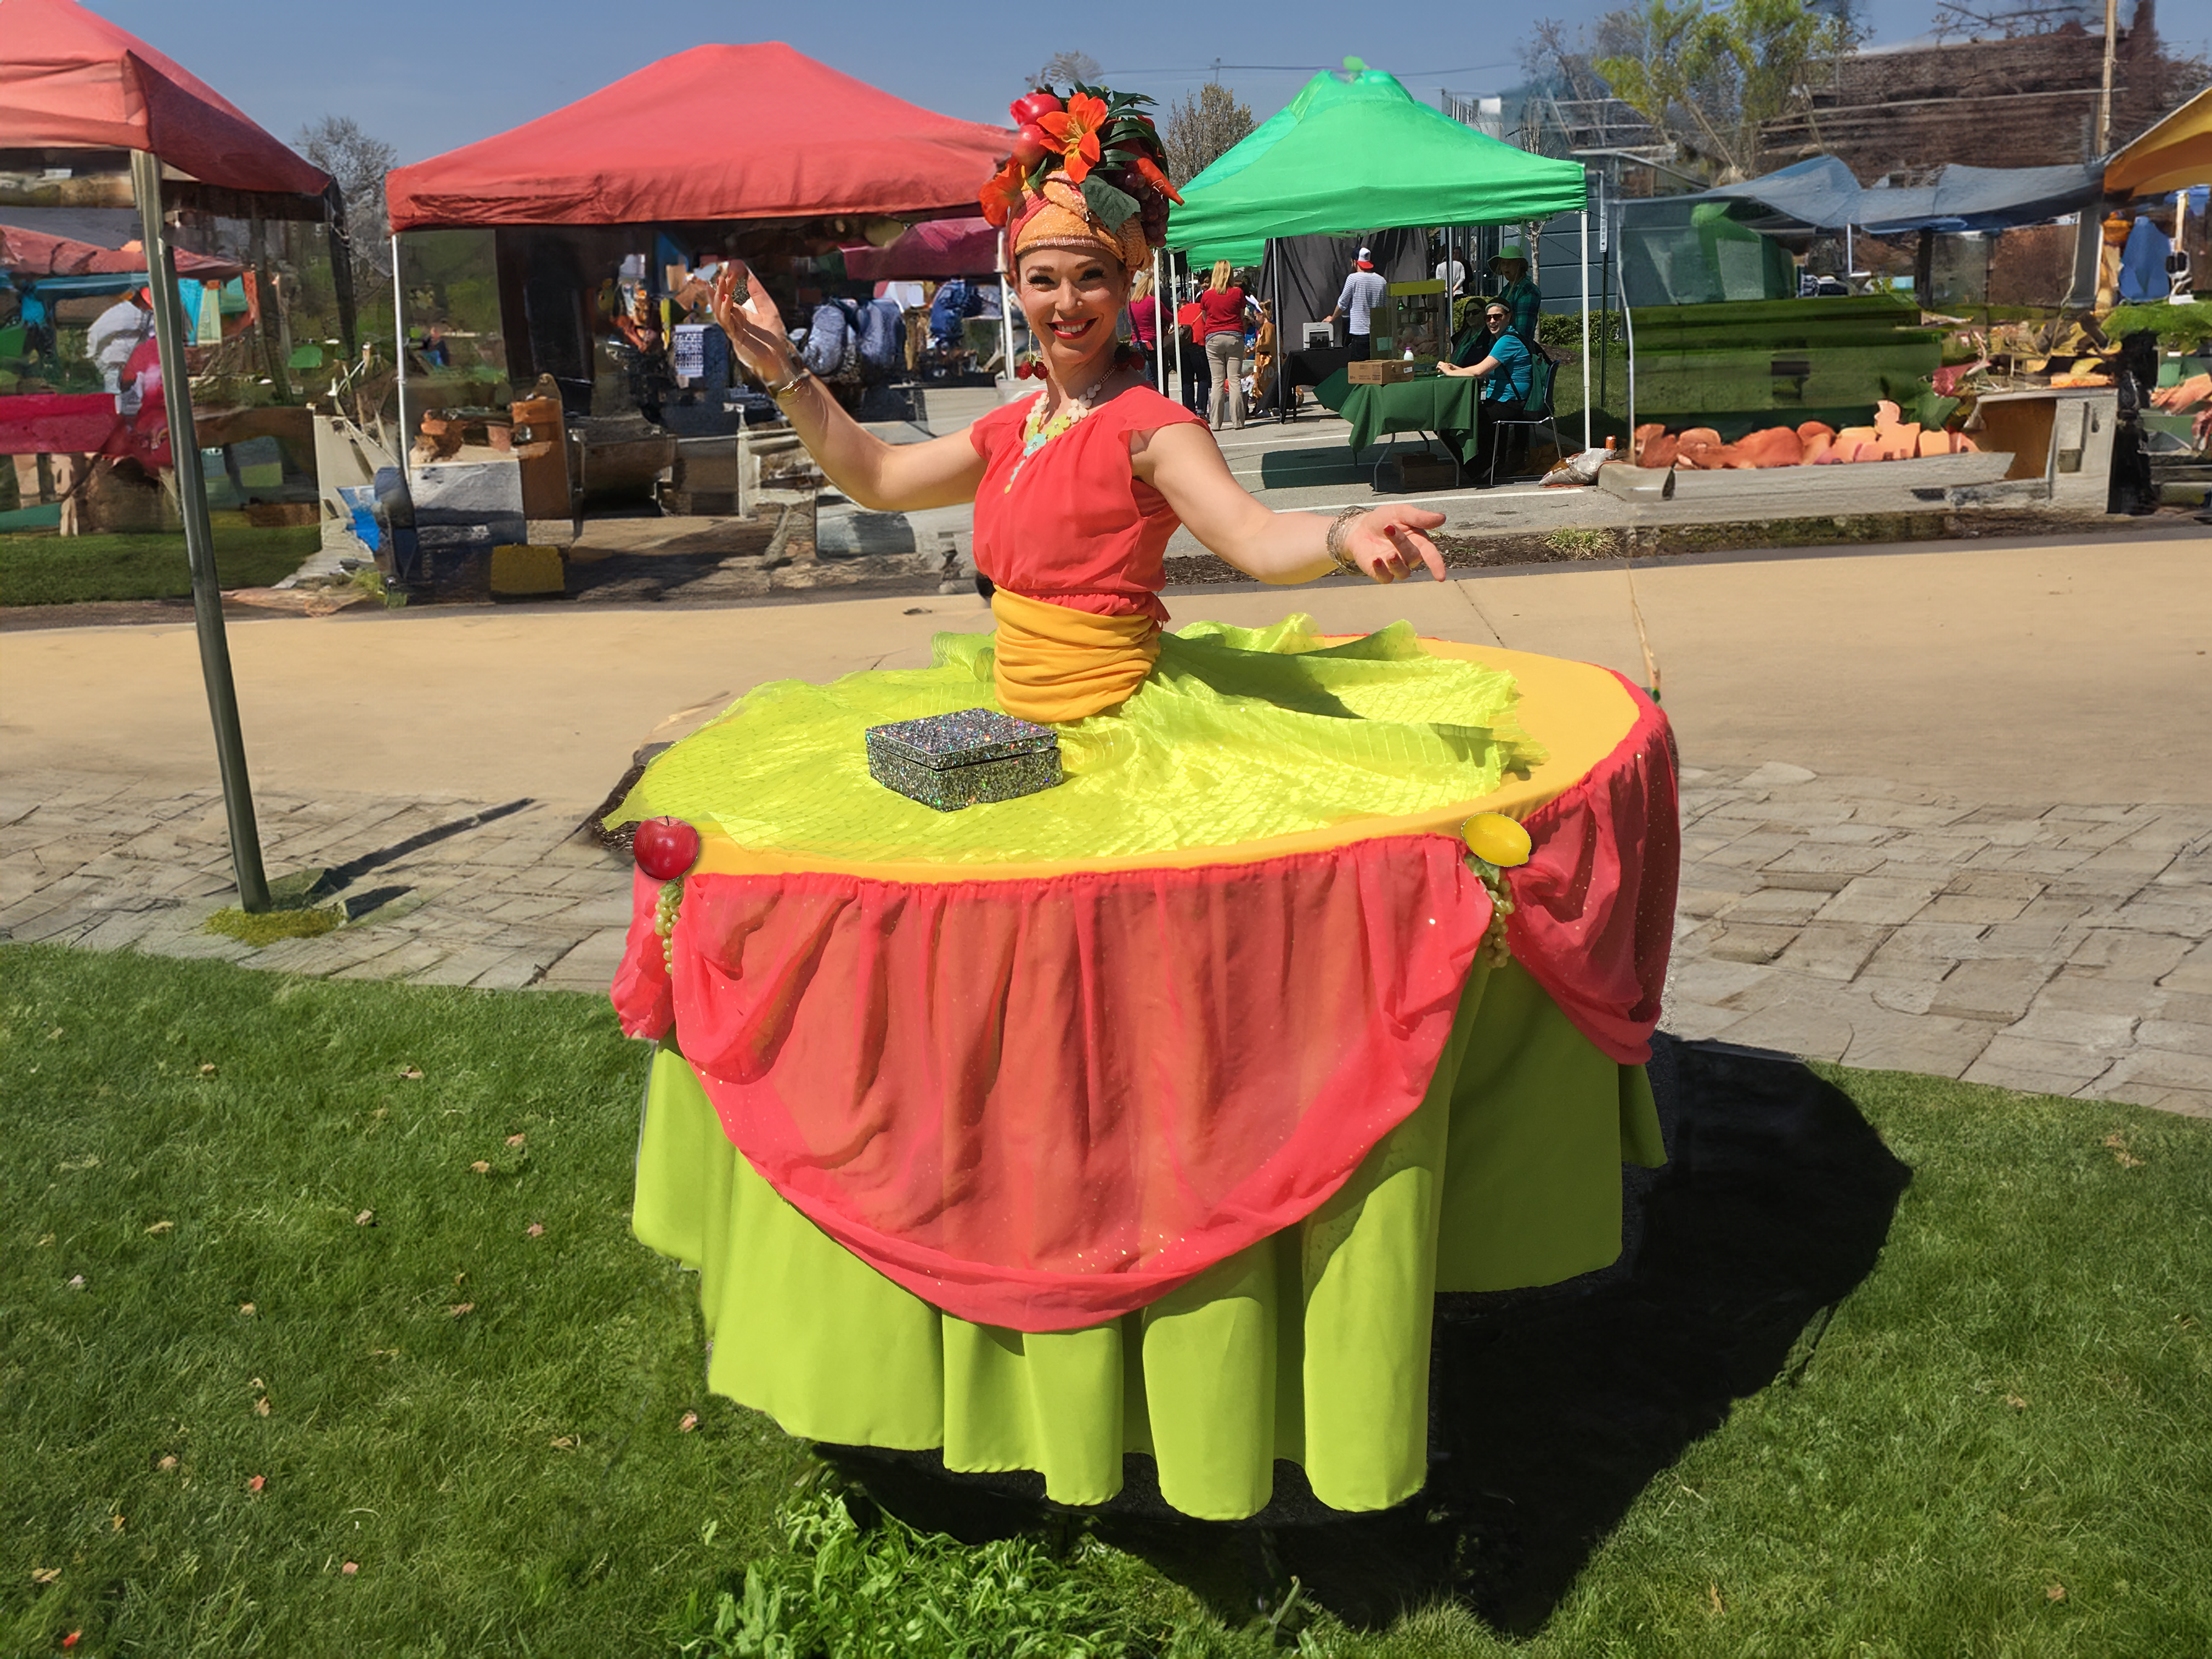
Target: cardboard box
x=1384, y=371
x=518, y=571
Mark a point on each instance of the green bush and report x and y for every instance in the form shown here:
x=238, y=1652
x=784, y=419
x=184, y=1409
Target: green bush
x=1565, y=329
x=2175, y=326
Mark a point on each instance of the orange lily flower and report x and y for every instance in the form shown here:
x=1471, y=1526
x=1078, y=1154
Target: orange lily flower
x=1075, y=130
x=1002, y=195
x=1148, y=170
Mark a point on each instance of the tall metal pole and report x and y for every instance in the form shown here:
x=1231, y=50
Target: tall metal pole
x=1604, y=286
x=1628, y=328
x=199, y=537
x=1159, y=358
x=1274, y=258
x=1179, y=382
x=399, y=356
x=2104, y=95
x=1586, y=354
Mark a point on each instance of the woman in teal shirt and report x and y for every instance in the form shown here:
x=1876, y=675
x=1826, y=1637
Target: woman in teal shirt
x=1500, y=359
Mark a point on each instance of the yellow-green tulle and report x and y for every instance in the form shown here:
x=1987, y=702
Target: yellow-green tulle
x=1239, y=733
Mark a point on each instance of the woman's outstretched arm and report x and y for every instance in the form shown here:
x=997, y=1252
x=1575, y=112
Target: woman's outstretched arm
x=1184, y=464
x=882, y=477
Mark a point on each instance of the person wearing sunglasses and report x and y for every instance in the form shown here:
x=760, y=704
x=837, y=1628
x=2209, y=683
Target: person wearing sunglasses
x=1497, y=356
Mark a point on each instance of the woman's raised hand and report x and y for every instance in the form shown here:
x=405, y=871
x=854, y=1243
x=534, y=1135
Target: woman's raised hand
x=1388, y=542
x=754, y=325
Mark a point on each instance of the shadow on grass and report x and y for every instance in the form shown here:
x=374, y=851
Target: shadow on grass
x=1550, y=1411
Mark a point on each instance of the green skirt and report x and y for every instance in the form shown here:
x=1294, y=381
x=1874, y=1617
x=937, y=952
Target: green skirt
x=1312, y=1346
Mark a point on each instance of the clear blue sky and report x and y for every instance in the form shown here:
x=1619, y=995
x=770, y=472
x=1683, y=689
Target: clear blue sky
x=428, y=77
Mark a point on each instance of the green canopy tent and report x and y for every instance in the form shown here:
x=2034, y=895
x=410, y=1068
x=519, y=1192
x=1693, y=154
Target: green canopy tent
x=1354, y=152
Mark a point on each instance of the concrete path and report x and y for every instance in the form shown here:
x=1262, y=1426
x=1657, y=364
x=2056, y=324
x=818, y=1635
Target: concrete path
x=1946, y=809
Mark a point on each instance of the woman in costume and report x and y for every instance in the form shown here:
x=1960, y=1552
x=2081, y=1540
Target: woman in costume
x=1146, y=1114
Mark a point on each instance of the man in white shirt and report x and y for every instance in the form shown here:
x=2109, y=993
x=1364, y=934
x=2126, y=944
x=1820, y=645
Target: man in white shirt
x=1453, y=274
x=1363, y=290
x=116, y=333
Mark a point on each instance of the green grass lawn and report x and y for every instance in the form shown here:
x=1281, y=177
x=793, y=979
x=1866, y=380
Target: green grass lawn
x=301, y=1274
x=41, y=568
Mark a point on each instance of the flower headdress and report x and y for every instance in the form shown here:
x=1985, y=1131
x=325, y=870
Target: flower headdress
x=1087, y=171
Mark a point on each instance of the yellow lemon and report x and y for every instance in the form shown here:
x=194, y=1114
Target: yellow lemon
x=1496, y=839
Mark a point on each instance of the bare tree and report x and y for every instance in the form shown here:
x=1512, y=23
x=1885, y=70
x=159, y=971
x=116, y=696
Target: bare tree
x=1201, y=128
x=338, y=146
x=2005, y=20
x=1556, y=64
x=1064, y=69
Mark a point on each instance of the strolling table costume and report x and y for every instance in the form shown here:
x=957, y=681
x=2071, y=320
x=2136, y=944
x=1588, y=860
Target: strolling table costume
x=1150, y=1112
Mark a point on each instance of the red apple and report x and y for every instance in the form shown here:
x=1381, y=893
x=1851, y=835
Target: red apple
x=1034, y=106
x=665, y=848
x=1030, y=145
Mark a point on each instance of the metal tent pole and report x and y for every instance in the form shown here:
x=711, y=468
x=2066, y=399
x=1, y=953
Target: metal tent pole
x=1005, y=314
x=399, y=358
x=1605, y=286
x=1274, y=258
x=199, y=538
x=1628, y=328
x=1159, y=358
x=1179, y=382
x=1586, y=357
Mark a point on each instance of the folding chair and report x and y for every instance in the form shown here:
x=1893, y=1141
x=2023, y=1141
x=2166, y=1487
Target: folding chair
x=1536, y=412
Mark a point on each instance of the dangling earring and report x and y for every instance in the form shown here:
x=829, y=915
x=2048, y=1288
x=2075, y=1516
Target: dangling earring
x=1031, y=367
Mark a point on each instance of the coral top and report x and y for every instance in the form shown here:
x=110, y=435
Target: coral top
x=1074, y=525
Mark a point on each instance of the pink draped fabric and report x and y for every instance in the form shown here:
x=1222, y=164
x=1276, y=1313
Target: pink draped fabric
x=1044, y=1102
x=1593, y=908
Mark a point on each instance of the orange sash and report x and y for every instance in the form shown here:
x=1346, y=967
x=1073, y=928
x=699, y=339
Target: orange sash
x=1055, y=665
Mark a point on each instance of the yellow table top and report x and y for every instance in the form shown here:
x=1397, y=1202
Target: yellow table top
x=1578, y=712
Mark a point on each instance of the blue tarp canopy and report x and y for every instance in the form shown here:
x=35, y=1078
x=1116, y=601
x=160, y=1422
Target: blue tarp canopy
x=1821, y=194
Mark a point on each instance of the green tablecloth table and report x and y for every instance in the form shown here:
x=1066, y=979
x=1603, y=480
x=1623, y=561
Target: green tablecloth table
x=1446, y=405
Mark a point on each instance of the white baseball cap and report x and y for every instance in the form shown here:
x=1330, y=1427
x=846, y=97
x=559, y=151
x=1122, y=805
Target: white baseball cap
x=1364, y=254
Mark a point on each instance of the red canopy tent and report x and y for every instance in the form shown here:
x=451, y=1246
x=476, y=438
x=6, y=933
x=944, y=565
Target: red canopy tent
x=940, y=248
x=70, y=79
x=72, y=82
x=35, y=253
x=755, y=131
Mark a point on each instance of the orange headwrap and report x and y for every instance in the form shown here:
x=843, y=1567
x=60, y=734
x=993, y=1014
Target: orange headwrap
x=1059, y=216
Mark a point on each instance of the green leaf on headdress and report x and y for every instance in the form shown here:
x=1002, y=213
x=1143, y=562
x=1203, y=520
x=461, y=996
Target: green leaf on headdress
x=1112, y=206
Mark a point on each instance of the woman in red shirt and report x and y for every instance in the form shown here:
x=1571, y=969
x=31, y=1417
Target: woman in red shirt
x=974, y=1123
x=1145, y=315
x=1221, y=311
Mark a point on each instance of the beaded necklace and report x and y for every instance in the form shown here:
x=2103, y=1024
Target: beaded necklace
x=1037, y=432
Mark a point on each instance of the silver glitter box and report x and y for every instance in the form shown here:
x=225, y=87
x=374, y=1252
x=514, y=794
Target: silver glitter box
x=953, y=761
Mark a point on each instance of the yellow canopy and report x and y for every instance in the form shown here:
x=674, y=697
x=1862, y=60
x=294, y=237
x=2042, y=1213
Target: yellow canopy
x=2172, y=155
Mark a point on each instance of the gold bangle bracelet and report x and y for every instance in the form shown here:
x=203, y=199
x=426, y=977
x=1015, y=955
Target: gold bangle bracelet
x=800, y=374
x=1334, y=542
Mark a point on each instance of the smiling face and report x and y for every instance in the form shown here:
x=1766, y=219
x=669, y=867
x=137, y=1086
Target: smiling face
x=1072, y=298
